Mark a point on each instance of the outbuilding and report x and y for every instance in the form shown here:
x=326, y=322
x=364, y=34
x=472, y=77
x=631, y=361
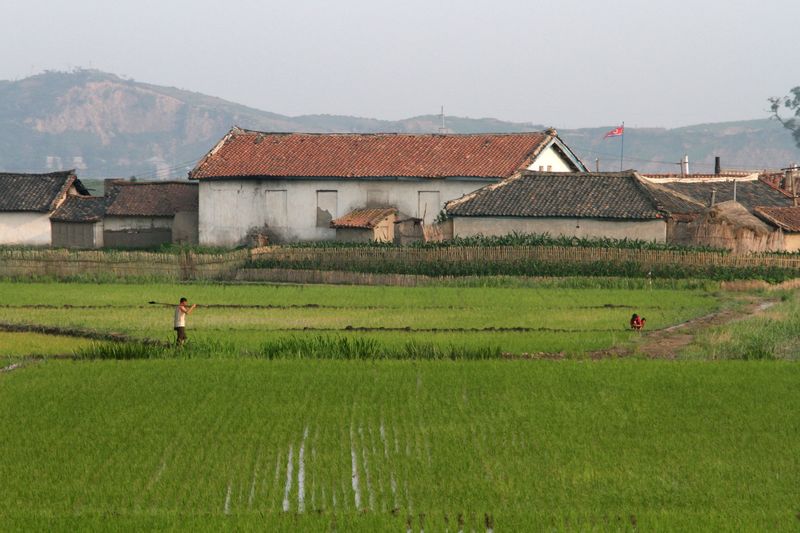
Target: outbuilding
x=28, y=200
x=615, y=205
x=78, y=222
x=149, y=214
x=366, y=225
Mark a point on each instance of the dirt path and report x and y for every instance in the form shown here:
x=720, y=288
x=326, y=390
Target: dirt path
x=668, y=342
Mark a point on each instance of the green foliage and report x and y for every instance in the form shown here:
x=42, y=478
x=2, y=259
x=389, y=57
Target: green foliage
x=790, y=103
x=489, y=266
x=625, y=269
x=517, y=239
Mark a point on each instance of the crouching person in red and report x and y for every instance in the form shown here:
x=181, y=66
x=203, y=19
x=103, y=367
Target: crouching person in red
x=637, y=322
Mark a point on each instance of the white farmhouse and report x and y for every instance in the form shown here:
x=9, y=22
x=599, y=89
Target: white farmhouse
x=294, y=184
x=28, y=200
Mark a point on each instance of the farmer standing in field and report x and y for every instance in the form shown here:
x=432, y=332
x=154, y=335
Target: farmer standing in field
x=181, y=311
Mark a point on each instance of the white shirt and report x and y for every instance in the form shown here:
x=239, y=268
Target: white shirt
x=180, y=317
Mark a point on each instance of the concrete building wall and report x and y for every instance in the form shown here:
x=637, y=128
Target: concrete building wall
x=32, y=229
x=294, y=209
x=184, y=228
x=137, y=232
x=290, y=208
x=77, y=234
x=550, y=161
x=647, y=230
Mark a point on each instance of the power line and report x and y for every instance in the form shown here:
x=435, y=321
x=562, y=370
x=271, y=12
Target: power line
x=168, y=172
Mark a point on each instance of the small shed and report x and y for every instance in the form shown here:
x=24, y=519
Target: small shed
x=730, y=225
x=408, y=230
x=78, y=222
x=365, y=225
x=788, y=220
x=148, y=214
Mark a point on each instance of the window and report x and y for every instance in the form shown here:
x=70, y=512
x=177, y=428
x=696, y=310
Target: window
x=276, y=209
x=429, y=206
x=326, y=208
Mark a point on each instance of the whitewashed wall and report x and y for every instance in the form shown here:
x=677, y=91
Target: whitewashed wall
x=25, y=228
x=646, y=230
x=229, y=209
x=289, y=207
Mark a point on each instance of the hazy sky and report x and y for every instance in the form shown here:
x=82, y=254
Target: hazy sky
x=564, y=63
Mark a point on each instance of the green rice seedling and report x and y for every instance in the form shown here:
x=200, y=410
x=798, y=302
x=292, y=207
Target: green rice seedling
x=320, y=347
x=553, y=316
x=122, y=351
x=513, y=445
x=144, y=350
x=430, y=351
x=23, y=344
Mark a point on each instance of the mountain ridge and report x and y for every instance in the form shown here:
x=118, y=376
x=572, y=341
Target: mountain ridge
x=108, y=126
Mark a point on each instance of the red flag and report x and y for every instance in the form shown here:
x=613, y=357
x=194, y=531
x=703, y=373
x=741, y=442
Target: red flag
x=616, y=132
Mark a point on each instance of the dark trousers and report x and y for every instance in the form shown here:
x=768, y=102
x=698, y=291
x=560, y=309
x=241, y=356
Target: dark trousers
x=181, y=332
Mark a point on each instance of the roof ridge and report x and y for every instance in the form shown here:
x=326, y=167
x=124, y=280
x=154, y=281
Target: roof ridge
x=244, y=131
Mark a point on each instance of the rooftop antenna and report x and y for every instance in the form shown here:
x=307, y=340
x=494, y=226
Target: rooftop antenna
x=442, y=128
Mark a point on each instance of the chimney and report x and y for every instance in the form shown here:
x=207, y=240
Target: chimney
x=734, y=190
x=685, y=165
x=713, y=196
x=793, y=173
x=717, y=166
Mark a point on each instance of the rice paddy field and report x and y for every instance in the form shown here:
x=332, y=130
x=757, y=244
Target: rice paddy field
x=239, y=319
x=222, y=439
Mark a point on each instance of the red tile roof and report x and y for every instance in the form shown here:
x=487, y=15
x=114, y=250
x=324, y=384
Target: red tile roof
x=786, y=218
x=155, y=199
x=363, y=218
x=243, y=153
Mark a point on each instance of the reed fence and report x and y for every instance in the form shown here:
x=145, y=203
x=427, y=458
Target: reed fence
x=337, y=277
x=337, y=265
x=349, y=258
x=66, y=264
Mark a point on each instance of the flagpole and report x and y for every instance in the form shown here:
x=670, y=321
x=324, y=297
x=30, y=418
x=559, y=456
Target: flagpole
x=622, y=146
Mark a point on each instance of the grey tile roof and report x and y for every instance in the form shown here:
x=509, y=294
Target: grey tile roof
x=36, y=192
x=80, y=209
x=751, y=194
x=672, y=201
x=614, y=195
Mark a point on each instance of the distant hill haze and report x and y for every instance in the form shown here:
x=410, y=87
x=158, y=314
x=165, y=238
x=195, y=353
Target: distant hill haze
x=106, y=126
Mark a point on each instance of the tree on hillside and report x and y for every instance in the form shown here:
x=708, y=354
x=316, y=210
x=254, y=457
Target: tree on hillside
x=790, y=103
